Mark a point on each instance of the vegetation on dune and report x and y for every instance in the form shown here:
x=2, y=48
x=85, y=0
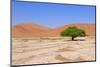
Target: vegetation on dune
x=73, y=32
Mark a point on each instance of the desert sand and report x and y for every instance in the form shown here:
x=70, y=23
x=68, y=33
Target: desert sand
x=43, y=50
x=36, y=44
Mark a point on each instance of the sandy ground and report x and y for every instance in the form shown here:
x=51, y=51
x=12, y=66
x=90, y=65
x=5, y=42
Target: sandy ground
x=52, y=50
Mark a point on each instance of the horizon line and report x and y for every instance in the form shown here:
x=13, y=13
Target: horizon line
x=51, y=27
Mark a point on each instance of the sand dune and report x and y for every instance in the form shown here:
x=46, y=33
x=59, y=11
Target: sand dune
x=88, y=28
x=28, y=30
x=34, y=30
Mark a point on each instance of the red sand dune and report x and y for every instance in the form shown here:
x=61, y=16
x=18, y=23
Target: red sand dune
x=88, y=28
x=34, y=30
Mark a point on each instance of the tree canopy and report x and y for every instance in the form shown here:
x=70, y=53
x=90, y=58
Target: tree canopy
x=73, y=32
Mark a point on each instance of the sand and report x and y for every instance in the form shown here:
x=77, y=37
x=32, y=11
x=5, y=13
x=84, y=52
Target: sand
x=35, y=30
x=43, y=50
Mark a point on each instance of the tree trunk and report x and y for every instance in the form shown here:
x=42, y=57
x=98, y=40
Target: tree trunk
x=72, y=38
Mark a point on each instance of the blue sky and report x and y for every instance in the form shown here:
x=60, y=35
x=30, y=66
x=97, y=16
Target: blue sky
x=51, y=15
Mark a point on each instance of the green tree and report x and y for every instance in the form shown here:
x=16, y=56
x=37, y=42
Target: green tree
x=73, y=32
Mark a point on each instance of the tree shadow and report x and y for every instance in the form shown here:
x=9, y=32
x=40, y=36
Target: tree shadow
x=77, y=40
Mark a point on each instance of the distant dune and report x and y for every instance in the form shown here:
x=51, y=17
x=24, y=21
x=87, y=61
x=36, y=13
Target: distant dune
x=88, y=28
x=35, y=30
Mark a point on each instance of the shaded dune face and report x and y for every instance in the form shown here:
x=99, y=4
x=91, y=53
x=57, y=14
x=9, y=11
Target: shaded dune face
x=34, y=30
